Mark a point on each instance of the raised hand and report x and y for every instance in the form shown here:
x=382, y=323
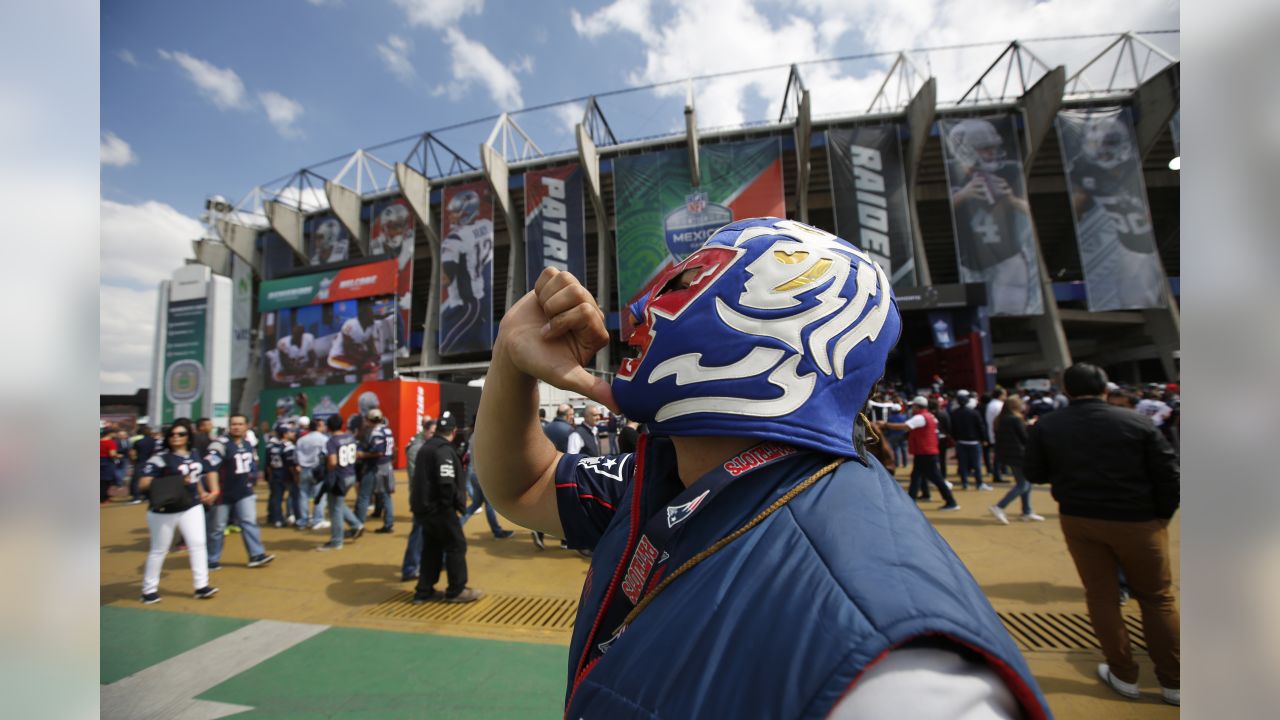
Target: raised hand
x=553, y=332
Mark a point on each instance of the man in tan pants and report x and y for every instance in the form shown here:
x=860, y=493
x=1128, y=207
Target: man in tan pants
x=1116, y=480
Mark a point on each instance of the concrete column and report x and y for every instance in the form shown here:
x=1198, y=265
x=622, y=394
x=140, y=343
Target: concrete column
x=1039, y=107
x=804, y=132
x=345, y=203
x=590, y=159
x=498, y=173
x=417, y=192
x=920, y=113
x=243, y=241
x=288, y=222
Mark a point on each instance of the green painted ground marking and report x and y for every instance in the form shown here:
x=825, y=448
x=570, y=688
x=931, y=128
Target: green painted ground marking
x=347, y=672
x=133, y=639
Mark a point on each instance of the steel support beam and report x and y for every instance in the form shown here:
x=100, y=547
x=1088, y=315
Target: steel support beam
x=590, y=159
x=417, y=192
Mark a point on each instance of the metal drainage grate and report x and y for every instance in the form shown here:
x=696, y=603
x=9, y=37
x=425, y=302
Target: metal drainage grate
x=1035, y=631
x=506, y=611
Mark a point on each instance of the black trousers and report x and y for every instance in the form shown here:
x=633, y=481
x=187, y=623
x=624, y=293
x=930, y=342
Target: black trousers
x=443, y=546
x=924, y=469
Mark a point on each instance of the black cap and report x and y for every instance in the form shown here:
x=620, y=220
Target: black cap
x=446, y=424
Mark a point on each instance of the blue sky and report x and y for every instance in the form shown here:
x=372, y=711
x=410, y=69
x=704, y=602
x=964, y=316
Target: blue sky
x=200, y=98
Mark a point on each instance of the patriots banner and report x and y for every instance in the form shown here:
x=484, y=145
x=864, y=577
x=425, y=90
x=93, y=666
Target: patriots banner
x=870, y=193
x=1109, y=205
x=554, y=222
x=392, y=234
x=466, y=270
x=325, y=240
x=662, y=218
x=990, y=214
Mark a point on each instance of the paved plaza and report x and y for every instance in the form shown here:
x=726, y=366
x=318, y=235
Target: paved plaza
x=333, y=634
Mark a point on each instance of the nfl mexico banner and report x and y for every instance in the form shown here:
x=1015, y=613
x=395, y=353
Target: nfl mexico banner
x=990, y=213
x=553, y=222
x=466, y=270
x=661, y=218
x=358, y=281
x=1122, y=270
x=870, y=193
x=185, y=376
x=325, y=239
x=392, y=233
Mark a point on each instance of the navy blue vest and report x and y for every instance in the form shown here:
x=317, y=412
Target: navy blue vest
x=781, y=622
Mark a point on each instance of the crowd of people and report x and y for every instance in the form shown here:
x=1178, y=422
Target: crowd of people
x=745, y=496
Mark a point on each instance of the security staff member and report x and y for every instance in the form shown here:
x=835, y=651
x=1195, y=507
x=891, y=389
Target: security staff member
x=436, y=496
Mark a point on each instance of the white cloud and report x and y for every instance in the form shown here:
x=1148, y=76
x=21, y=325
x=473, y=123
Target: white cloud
x=222, y=86
x=114, y=151
x=472, y=62
x=686, y=39
x=395, y=53
x=633, y=16
x=282, y=112
x=438, y=13
x=128, y=57
x=568, y=115
x=141, y=245
x=322, y=3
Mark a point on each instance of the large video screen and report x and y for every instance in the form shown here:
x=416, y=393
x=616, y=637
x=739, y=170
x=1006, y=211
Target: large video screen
x=342, y=342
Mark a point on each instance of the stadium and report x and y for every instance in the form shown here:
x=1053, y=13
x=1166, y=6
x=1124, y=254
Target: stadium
x=1044, y=100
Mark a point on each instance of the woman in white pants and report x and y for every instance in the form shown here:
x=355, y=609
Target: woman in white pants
x=172, y=480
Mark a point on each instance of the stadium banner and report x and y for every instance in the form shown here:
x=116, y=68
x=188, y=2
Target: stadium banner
x=325, y=239
x=185, y=376
x=554, y=222
x=345, y=341
x=377, y=278
x=392, y=232
x=1122, y=269
x=466, y=270
x=869, y=188
x=241, y=316
x=662, y=218
x=990, y=213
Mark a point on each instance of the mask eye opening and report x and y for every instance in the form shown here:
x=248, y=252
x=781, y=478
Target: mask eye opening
x=680, y=281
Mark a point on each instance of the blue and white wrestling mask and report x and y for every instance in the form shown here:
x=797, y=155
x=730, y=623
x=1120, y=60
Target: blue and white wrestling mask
x=772, y=329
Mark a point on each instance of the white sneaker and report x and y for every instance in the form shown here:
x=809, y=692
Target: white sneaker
x=1172, y=696
x=985, y=487
x=949, y=485
x=1129, y=690
x=999, y=513
x=1032, y=517
x=322, y=525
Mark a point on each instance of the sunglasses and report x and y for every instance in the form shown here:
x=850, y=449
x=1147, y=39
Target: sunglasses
x=178, y=434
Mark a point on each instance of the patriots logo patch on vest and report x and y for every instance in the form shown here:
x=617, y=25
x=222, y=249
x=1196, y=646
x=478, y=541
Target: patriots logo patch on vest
x=677, y=514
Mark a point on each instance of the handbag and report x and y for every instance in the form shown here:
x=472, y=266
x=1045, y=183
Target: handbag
x=169, y=492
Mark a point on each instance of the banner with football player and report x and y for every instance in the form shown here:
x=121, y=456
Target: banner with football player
x=990, y=213
x=392, y=233
x=340, y=342
x=662, y=218
x=325, y=240
x=870, y=192
x=466, y=270
x=1122, y=270
x=554, y=222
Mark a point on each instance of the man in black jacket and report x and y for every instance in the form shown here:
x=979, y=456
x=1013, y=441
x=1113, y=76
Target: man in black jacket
x=968, y=429
x=436, y=496
x=1116, y=481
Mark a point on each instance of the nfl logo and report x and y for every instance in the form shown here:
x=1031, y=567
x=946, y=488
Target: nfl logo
x=696, y=203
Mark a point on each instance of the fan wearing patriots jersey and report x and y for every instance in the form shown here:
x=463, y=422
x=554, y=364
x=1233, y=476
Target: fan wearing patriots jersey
x=237, y=464
x=749, y=559
x=175, y=476
x=282, y=458
x=379, y=452
x=342, y=453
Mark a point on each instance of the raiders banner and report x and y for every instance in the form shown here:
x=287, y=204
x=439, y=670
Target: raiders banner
x=466, y=270
x=870, y=193
x=1109, y=205
x=553, y=222
x=990, y=214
